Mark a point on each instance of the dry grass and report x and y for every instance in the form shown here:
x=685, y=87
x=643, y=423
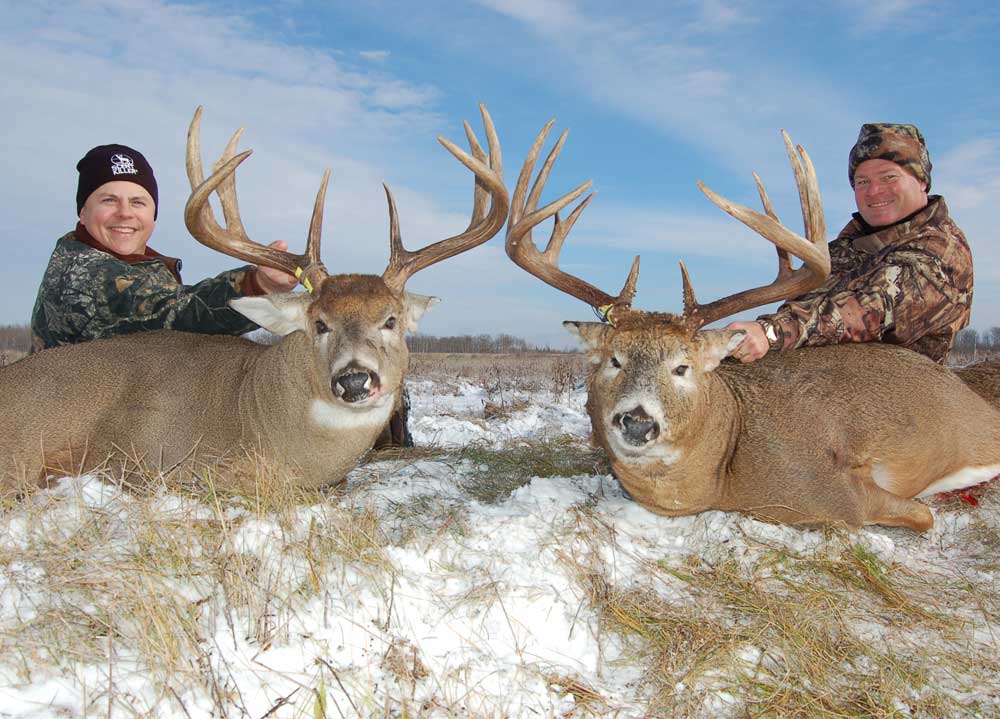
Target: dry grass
x=837, y=632
x=139, y=583
x=503, y=373
x=498, y=472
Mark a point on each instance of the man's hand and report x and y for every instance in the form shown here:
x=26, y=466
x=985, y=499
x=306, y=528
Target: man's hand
x=272, y=280
x=754, y=345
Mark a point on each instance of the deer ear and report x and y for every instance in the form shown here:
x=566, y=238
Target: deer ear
x=716, y=344
x=281, y=313
x=590, y=334
x=416, y=305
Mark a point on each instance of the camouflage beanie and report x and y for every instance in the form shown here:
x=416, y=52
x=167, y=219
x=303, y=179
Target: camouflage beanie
x=108, y=163
x=902, y=144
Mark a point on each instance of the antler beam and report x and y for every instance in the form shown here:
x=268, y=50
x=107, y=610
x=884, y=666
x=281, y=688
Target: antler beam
x=233, y=240
x=484, y=224
x=789, y=283
x=524, y=216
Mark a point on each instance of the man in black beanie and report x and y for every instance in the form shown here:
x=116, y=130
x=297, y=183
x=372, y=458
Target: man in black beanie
x=901, y=270
x=103, y=279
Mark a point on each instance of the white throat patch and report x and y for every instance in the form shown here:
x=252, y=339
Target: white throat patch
x=335, y=416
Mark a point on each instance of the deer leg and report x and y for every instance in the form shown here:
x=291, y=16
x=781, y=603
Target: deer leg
x=885, y=508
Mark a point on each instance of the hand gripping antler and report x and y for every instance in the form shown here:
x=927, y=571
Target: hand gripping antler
x=789, y=283
x=233, y=240
x=545, y=265
x=484, y=223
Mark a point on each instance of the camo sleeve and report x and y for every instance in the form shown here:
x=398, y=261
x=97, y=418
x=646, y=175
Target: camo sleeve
x=917, y=294
x=87, y=295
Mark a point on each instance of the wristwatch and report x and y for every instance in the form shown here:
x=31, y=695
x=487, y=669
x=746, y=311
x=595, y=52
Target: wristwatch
x=770, y=332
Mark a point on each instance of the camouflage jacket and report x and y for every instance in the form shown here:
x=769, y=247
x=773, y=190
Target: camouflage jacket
x=908, y=284
x=87, y=293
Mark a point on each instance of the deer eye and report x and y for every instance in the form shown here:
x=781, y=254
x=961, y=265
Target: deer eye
x=615, y=363
x=681, y=370
x=321, y=327
x=390, y=323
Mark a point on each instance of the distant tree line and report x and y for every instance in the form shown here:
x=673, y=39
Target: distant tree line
x=476, y=344
x=971, y=345
x=15, y=337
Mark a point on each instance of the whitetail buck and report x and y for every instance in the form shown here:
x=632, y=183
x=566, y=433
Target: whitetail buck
x=847, y=433
x=313, y=403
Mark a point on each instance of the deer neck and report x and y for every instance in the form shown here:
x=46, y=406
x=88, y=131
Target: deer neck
x=291, y=415
x=695, y=480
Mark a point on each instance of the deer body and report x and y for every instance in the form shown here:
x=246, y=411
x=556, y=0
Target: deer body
x=130, y=403
x=884, y=425
x=145, y=412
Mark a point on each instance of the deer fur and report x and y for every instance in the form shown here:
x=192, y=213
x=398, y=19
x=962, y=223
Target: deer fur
x=175, y=401
x=845, y=434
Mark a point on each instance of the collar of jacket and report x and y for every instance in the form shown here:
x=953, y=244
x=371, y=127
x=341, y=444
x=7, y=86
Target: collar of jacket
x=870, y=239
x=150, y=255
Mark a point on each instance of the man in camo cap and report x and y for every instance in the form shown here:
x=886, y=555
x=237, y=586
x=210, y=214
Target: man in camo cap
x=901, y=268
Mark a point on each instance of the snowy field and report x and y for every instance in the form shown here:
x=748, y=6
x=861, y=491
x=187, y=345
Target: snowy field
x=455, y=581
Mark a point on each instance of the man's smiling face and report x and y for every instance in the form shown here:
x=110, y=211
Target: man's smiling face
x=886, y=193
x=120, y=215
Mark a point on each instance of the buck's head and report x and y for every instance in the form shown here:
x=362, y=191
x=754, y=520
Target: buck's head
x=649, y=371
x=648, y=382
x=355, y=324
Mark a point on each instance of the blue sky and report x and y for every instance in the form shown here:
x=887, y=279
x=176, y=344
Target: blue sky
x=656, y=95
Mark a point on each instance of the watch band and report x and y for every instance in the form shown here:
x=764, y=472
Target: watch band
x=770, y=332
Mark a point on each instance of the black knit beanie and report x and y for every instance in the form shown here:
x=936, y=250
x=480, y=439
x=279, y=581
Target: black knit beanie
x=107, y=163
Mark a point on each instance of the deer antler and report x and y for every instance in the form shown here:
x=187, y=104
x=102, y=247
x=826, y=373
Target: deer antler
x=545, y=265
x=484, y=224
x=233, y=240
x=789, y=283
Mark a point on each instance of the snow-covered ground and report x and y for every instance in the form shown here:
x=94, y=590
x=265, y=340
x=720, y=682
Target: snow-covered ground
x=403, y=595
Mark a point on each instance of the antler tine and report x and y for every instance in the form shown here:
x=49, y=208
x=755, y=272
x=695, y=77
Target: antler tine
x=812, y=251
x=483, y=225
x=545, y=265
x=233, y=240
x=784, y=259
x=312, y=272
x=226, y=192
x=480, y=196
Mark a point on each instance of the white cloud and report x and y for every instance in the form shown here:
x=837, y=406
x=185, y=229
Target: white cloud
x=715, y=16
x=969, y=177
x=542, y=15
x=874, y=17
x=375, y=55
x=971, y=172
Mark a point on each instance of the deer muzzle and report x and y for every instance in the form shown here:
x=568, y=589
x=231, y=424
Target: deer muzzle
x=636, y=427
x=356, y=384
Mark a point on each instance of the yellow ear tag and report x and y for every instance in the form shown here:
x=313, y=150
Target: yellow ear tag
x=604, y=312
x=305, y=282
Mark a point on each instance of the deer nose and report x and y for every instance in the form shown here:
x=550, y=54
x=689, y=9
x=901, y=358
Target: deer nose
x=636, y=426
x=355, y=385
